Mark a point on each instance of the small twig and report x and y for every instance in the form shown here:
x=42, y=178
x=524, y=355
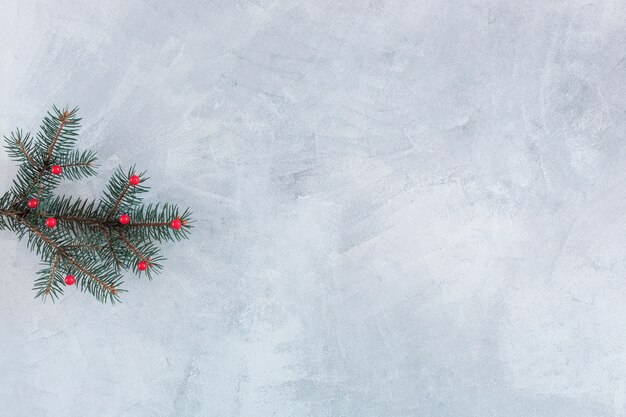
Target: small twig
x=153, y=224
x=20, y=145
x=56, y=136
x=84, y=220
x=117, y=260
x=77, y=164
x=85, y=245
x=131, y=247
x=28, y=190
x=119, y=201
x=60, y=252
x=53, y=271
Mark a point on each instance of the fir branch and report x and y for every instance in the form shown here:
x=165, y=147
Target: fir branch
x=77, y=165
x=153, y=222
x=110, y=288
x=87, y=221
x=119, y=200
x=117, y=262
x=20, y=148
x=146, y=252
x=48, y=289
x=132, y=248
x=88, y=246
x=26, y=153
x=56, y=135
x=89, y=241
x=25, y=183
x=6, y=220
x=120, y=195
x=80, y=215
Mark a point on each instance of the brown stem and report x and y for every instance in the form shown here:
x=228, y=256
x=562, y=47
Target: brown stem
x=40, y=191
x=86, y=220
x=85, y=246
x=20, y=145
x=47, y=162
x=28, y=190
x=153, y=224
x=131, y=247
x=107, y=234
x=51, y=279
x=77, y=164
x=56, y=136
x=60, y=252
x=102, y=226
x=12, y=213
x=119, y=201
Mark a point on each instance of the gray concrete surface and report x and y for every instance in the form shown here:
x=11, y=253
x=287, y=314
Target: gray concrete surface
x=404, y=208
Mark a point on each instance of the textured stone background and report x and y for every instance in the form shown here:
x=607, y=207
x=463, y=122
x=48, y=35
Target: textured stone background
x=404, y=208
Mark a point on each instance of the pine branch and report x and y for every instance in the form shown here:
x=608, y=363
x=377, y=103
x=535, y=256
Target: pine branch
x=110, y=256
x=118, y=201
x=6, y=221
x=26, y=181
x=101, y=282
x=77, y=165
x=81, y=237
x=63, y=120
x=80, y=216
x=132, y=248
x=87, y=246
x=120, y=195
x=154, y=222
x=20, y=148
x=49, y=284
x=142, y=252
x=58, y=133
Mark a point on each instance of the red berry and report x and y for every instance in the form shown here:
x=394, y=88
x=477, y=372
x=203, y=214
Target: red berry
x=134, y=180
x=142, y=266
x=176, y=224
x=124, y=219
x=70, y=280
x=56, y=169
x=51, y=222
x=33, y=203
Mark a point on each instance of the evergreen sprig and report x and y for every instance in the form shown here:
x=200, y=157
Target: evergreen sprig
x=89, y=241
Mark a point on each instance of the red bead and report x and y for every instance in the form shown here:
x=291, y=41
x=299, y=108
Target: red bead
x=51, y=222
x=33, y=203
x=124, y=219
x=142, y=266
x=134, y=180
x=176, y=224
x=70, y=280
x=56, y=169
